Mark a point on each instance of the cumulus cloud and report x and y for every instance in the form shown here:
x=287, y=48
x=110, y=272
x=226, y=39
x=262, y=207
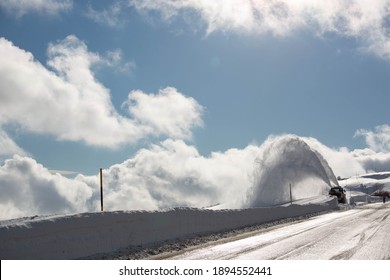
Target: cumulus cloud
x=22, y=7
x=377, y=140
x=169, y=174
x=8, y=147
x=366, y=21
x=176, y=114
x=174, y=174
x=346, y=163
x=27, y=188
x=341, y=160
x=68, y=102
x=372, y=161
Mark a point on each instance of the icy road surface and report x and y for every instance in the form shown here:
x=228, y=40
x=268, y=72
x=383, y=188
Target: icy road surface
x=359, y=233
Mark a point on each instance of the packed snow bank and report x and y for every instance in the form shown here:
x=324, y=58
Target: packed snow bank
x=362, y=188
x=77, y=236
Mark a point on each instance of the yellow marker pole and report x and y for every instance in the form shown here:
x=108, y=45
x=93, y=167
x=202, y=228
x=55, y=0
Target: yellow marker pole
x=101, y=189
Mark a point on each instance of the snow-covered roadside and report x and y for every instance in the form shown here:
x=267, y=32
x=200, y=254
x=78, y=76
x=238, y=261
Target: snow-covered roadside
x=360, y=189
x=78, y=236
x=171, y=248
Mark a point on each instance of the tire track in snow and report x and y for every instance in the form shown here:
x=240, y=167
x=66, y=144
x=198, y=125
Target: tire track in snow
x=363, y=239
x=337, y=235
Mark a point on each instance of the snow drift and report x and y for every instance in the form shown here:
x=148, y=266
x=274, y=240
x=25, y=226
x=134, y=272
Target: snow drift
x=285, y=161
x=78, y=236
x=363, y=188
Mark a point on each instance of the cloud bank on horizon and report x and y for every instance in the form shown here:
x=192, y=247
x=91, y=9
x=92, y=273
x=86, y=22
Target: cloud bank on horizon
x=174, y=174
x=67, y=101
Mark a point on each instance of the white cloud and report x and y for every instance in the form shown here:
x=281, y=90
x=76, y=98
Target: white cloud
x=173, y=174
x=372, y=161
x=167, y=112
x=170, y=174
x=72, y=105
x=347, y=163
x=8, y=147
x=366, y=21
x=377, y=140
x=114, y=59
x=27, y=189
x=341, y=160
x=22, y=7
x=110, y=16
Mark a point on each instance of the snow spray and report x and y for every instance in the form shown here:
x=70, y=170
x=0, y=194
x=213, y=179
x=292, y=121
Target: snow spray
x=288, y=169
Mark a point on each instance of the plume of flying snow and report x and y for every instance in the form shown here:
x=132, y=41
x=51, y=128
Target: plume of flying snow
x=174, y=174
x=284, y=161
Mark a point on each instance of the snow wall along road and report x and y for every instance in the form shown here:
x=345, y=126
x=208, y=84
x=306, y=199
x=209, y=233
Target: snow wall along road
x=82, y=235
x=289, y=160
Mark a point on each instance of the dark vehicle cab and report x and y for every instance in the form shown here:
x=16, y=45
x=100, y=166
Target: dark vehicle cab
x=339, y=192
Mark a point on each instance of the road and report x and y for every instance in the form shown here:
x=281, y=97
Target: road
x=359, y=233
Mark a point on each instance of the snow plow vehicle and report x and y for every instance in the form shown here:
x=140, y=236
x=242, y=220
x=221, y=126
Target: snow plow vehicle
x=339, y=192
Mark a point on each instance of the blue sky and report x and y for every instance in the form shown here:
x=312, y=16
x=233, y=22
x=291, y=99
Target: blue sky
x=185, y=103
x=324, y=81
